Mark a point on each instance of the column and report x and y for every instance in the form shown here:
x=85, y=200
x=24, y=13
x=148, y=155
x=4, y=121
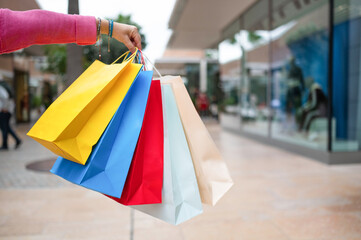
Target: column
x=203, y=75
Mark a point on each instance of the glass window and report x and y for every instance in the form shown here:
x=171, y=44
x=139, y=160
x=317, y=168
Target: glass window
x=276, y=81
x=347, y=76
x=229, y=58
x=254, y=43
x=192, y=77
x=214, y=90
x=299, y=69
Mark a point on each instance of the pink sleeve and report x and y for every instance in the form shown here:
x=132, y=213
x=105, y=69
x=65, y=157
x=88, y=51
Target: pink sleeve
x=22, y=29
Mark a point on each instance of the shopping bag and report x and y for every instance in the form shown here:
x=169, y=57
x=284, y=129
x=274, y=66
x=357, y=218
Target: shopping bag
x=213, y=176
x=67, y=126
x=145, y=177
x=107, y=167
x=180, y=196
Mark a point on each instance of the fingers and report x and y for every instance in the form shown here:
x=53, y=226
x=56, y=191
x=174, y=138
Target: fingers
x=136, y=39
x=129, y=44
x=128, y=35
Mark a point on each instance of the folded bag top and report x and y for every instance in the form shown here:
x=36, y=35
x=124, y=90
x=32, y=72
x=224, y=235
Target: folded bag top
x=67, y=126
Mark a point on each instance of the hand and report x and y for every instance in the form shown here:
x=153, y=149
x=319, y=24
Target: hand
x=124, y=33
x=128, y=35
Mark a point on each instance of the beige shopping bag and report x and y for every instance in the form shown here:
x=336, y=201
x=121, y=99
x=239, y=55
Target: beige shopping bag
x=212, y=174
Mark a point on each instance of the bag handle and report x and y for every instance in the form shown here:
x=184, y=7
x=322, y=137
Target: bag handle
x=139, y=57
x=131, y=57
x=143, y=62
x=137, y=53
x=142, y=54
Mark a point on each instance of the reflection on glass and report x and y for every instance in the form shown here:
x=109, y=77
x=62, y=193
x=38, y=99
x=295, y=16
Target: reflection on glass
x=254, y=42
x=277, y=82
x=229, y=57
x=253, y=106
x=299, y=72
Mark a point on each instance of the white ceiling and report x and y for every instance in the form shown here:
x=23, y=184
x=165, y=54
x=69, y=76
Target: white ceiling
x=199, y=23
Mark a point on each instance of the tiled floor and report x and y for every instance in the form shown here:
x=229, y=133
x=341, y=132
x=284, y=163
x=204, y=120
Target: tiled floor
x=277, y=195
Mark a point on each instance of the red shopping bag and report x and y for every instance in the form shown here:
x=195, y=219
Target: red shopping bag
x=145, y=177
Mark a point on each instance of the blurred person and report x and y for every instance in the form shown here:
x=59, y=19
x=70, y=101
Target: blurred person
x=315, y=107
x=20, y=29
x=202, y=104
x=295, y=87
x=6, y=109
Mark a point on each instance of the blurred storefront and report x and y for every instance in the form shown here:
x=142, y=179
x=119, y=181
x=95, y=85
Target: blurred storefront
x=294, y=77
x=199, y=70
x=21, y=72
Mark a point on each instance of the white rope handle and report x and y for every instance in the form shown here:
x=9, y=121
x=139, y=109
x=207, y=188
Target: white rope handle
x=160, y=75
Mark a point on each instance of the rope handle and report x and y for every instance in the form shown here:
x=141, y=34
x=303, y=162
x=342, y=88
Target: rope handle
x=131, y=57
x=141, y=58
x=160, y=75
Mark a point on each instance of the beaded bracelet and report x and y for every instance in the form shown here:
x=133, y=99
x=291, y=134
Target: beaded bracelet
x=99, y=36
x=98, y=29
x=110, y=33
x=110, y=28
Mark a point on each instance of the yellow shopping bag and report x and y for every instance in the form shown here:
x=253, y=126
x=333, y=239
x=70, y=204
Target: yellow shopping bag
x=73, y=124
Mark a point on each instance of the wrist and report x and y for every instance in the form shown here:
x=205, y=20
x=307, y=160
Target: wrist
x=104, y=26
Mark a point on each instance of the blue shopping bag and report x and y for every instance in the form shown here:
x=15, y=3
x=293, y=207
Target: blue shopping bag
x=107, y=167
x=180, y=195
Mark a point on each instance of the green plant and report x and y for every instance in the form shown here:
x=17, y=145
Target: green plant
x=253, y=37
x=36, y=101
x=56, y=59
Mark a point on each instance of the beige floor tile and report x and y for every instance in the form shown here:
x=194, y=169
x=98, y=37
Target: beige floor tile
x=21, y=227
x=276, y=196
x=110, y=234
x=34, y=237
x=158, y=234
x=325, y=227
x=62, y=211
x=233, y=230
x=89, y=229
x=144, y=221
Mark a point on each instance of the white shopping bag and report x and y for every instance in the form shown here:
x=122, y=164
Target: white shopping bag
x=180, y=195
